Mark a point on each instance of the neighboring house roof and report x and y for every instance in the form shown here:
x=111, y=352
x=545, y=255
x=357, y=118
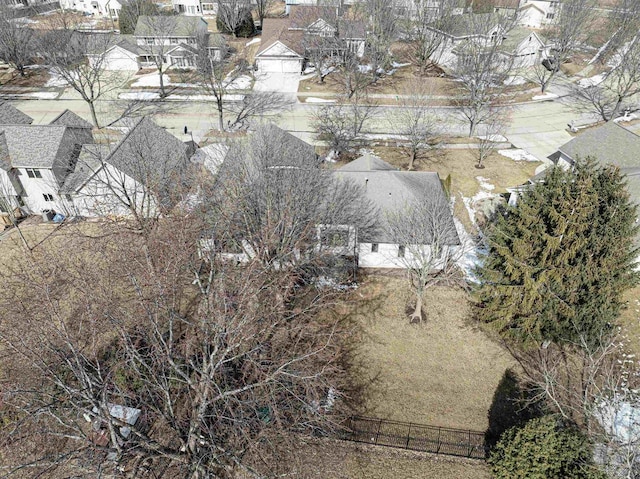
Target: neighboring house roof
x=5, y=158
x=277, y=30
x=148, y=154
x=351, y=29
x=516, y=36
x=468, y=24
x=368, y=162
x=391, y=190
x=303, y=16
x=608, y=144
x=531, y=5
x=89, y=161
x=10, y=115
x=36, y=146
x=68, y=118
x=169, y=26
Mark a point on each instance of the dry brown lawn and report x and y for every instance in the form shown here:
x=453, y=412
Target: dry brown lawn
x=443, y=372
x=34, y=78
x=630, y=318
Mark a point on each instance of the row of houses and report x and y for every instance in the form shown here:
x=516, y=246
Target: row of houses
x=60, y=167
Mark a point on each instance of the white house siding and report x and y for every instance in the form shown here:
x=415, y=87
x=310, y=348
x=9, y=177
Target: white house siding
x=387, y=255
x=120, y=59
x=36, y=188
x=93, y=7
x=539, y=16
x=7, y=191
x=529, y=52
x=104, y=193
x=187, y=7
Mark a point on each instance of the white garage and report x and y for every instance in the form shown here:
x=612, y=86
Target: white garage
x=278, y=58
x=118, y=58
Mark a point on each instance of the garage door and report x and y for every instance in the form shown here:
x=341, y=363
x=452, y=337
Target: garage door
x=279, y=65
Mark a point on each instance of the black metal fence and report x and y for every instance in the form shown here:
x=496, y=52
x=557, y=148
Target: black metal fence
x=417, y=437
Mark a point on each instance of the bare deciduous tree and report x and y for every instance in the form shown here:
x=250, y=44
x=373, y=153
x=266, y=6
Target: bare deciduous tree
x=481, y=71
x=342, y=125
x=351, y=76
x=384, y=31
x=80, y=61
x=16, y=44
x=415, y=121
x=488, y=134
x=425, y=228
x=567, y=32
x=427, y=44
x=262, y=9
x=231, y=14
x=618, y=87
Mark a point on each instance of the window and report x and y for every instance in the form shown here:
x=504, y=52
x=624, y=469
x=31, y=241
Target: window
x=32, y=173
x=401, y=251
x=48, y=197
x=68, y=197
x=149, y=40
x=173, y=40
x=374, y=248
x=550, y=16
x=191, y=41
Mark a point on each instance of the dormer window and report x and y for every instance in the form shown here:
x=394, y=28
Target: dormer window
x=33, y=173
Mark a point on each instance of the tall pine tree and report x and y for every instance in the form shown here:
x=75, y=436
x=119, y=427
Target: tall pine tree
x=560, y=260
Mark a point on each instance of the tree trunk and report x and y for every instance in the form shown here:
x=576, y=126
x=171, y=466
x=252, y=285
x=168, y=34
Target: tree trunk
x=94, y=117
x=163, y=93
x=616, y=110
x=220, y=115
x=416, y=317
x=412, y=159
x=472, y=127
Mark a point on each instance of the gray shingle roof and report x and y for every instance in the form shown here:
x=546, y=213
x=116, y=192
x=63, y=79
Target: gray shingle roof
x=391, y=190
x=68, y=118
x=169, y=26
x=10, y=115
x=5, y=159
x=33, y=146
x=89, y=161
x=152, y=156
x=468, y=24
x=608, y=144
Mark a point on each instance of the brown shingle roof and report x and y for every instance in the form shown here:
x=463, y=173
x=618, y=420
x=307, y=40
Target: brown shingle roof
x=277, y=29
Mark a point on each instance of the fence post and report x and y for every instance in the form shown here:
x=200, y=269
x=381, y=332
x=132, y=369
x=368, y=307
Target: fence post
x=378, y=431
x=439, y=431
x=408, y=437
x=469, y=444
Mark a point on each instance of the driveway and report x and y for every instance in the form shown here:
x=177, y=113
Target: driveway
x=280, y=82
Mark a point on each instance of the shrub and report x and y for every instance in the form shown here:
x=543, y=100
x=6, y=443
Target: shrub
x=544, y=448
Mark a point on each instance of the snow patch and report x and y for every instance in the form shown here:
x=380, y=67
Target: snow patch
x=630, y=117
x=400, y=65
x=55, y=80
x=484, y=184
x=319, y=100
x=515, y=80
x=140, y=95
x=592, y=81
x=253, y=42
x=518, y=155
x=471, y=257
x=44, y=95
x=545, y=96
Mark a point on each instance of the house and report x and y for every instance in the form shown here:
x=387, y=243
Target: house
x=189, y=7
x=609, y=144
x=524, y=47
x=37, y=159
x=110, y=8
x=287, y=42
x=537, y=13
x=174, y=38
x=391, y=190
x=480, y=28
x=142, y=174
x=122, y=53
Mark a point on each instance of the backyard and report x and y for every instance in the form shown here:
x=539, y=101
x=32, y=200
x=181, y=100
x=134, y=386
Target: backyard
x=443, y=372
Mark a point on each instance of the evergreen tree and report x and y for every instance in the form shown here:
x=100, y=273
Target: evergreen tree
x=560, y=260
x=543, y=449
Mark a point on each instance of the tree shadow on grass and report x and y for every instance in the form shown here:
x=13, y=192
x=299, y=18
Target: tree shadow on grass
x=512, y=406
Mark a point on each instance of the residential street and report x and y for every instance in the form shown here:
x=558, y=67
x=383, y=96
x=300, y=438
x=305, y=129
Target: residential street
x=538, y=127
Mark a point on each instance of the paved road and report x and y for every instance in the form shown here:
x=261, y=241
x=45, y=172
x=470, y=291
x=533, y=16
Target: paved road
x=538, y=127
